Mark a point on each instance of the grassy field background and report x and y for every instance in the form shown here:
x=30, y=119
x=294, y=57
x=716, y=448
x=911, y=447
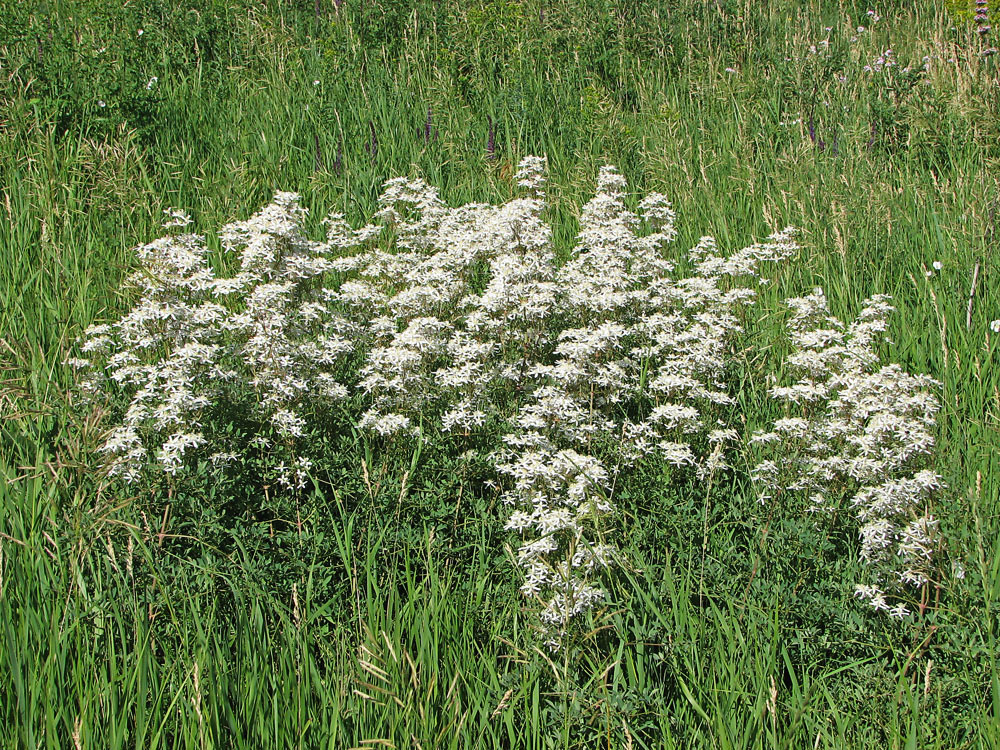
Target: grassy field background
x=748, y=116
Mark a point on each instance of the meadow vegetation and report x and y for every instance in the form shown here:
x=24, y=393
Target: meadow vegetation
x=438, y=373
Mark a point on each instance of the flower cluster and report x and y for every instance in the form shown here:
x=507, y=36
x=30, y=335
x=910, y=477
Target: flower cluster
x=861, y=431
x=195, y=342
x=441, y=318
x=631, y=367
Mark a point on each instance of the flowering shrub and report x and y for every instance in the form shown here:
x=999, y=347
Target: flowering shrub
x=440, y=320
x=263, y=342
x=862, y=431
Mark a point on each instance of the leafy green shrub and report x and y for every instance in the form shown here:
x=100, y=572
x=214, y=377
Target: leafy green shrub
x=93, y=68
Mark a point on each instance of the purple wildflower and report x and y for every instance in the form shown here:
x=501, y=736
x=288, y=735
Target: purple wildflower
x=428, y=127
x=372, y=146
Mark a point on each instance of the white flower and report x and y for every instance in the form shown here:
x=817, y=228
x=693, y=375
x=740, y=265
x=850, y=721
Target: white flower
x=995, y=326
x=174, y=448
x=288, y=423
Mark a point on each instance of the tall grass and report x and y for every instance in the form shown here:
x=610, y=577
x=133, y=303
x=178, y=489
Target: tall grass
x=414, y=637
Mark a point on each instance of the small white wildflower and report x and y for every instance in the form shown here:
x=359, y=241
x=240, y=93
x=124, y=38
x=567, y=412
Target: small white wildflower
x=222, y=458
x=957, y=569
x=101, y=103
x=995, y=325
x=723, y=435
x=288, y=423
x=937, y=265
x=385, y=425
x=173, y=450
x=151, y=82
x=294, y=477
x=176, y=218
x=899, y=611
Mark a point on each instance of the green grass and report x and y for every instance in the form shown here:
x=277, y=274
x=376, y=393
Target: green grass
x=416, y=637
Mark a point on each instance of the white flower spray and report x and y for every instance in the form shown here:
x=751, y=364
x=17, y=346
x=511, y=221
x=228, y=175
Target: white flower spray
x=862, y=432
x=607, y=360
x=193, y=339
